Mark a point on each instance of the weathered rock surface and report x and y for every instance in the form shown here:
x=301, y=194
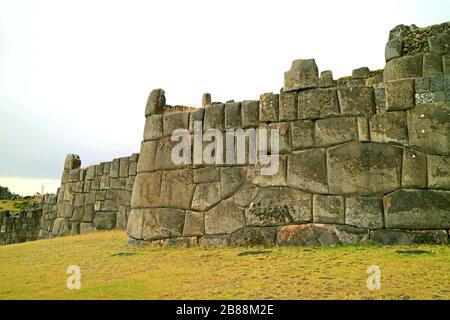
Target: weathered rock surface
x=302, y=75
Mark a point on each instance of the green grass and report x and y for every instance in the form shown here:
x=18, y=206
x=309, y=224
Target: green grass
x=37, y=270
x=16, y=205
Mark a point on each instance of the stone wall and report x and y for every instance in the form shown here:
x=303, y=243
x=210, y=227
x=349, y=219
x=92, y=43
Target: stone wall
x=365, y=159
x=21, y=227
x=93, y=198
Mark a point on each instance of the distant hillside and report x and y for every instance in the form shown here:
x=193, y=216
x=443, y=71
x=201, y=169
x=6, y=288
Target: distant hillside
x=5, y=194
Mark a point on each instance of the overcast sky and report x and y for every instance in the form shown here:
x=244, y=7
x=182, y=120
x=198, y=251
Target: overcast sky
x=75, y=75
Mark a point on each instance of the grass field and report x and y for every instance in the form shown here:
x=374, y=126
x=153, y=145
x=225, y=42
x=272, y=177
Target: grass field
x=16, y=205
x=111, y=269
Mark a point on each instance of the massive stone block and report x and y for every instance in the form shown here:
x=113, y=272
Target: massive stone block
x=279, y=205
x=302, y=133
x=155, y=102
x=146, y=190
x=334, y=131
x=440, y=44
x=230, y=180
x=438, y=172
x=177, y=189
x=400, y=94
x=394, y=49
x=163, y=223
x=308, y=170
x=403, y=67
x=417, y=209
x=328, y=209
x=356, y=101
x=414, y=169
x=404, y=237
x=206, y=195
x=250, y=113
x=72, y=161
x=214, y=117
x=175, y=120
x=224, y=218
x=429, y=128
x=364, y=212
x=288, y=106
x=233, y=115
x=317, y=103
x=105, y=220
x=135, y=223
x=254, y=236
x=389, y=127
x=269, y=107
x=320, y=235
x=153, y=129
x=194, y=224
x=364, y=168
x=302, y=75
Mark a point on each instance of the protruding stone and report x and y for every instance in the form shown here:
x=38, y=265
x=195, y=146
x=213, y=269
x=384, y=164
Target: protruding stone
x=361, y=73
x=155, y=103
x=364, y=212
x=328, y=209
x=317, y=103
x=364, y=168
x=389, y=127
x=163, y=223
x=429, y=128
x=206, y=100
x=302, y=75
x=394, y=49
x=72, y=161
x=334, y=131
x=279, y=205
x=307, y=170
x=400, y=94
x=404, y=67
x=356, y=101
x=226, y=217
x=438, y=172
x=414, y=169
x=326, y=79
x=417, y=209
x=288, y=106
x=269, y=107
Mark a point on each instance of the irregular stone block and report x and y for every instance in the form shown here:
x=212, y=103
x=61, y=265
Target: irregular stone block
x=214, y=117
x=105, y=220
x=155, y=103
x=302, y=133
x=389, y=127
x=121, y=218
x=233, y=115
x=414, y=169
x=394, y=49
x=380, y=99
x=403, y=237
x=364, y=212
x=417, y=209
x=207, y=174
x=288, y=106
x=429, y=128
x=196, y=115
x=215, y=240
x=148, y=156
x=206, y=195
x=146, y=190
x=268, y=107
x=279, y=205
x=319, y=235
x=317, y=103
x=153, y=129
x=72, y=161
x=163, y=159
x=432, y=64
x=356, y=101
x=254, y=236
x=124, y=167
x=307, y=170
x=438, y=172
x=326, y=79
x=277, y=178
x=250, y=113
x=177, y=189
x=400, y=94
x=245, y=195
x=88, y=213
x=446, y=63
x=114, y=171
x=175, y=120
x=87, y=228
x=136, y=223
x=328, y=209
x=194, y=224
x=231, y=179
x=284, y=136
x=440, y=44
x=226, y=217
x=302, y=75
x=403, y=67
x=361, y=73
x=364, y=168
x=185, y=242
x=163, y=223
x=334, y=131
x=363, y=129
